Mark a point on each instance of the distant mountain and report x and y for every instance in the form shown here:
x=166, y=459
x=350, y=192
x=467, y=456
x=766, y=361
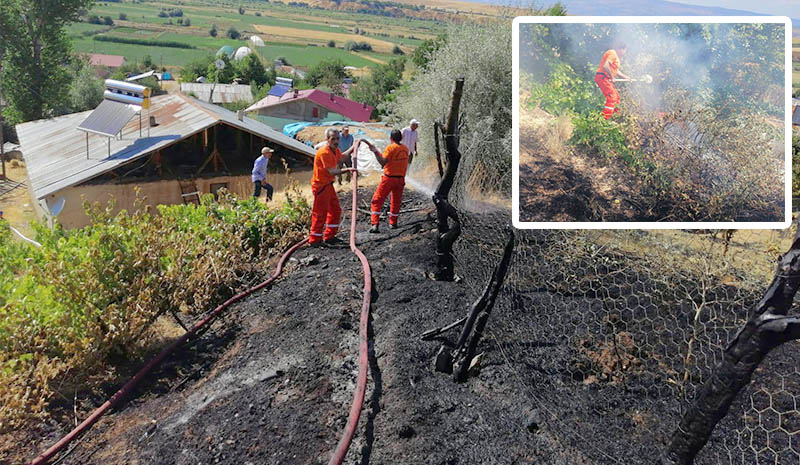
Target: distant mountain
x=636, y=8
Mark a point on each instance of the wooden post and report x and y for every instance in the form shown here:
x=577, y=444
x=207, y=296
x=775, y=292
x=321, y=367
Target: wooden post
x=768, y=327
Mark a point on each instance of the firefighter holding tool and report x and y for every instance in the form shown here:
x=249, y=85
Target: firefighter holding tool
x=326, y=212
x=394, y=161
x=607, y=73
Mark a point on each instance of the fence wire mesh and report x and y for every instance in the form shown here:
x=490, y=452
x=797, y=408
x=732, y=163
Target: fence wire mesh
x=612, y=333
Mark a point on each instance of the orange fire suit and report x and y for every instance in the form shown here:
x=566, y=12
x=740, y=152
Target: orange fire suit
x=606, y=82
x=392, y=182
x=326, y=212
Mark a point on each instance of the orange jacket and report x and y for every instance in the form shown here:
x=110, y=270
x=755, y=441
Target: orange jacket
x=324, y=159
x=396, y=156
x=613, y=62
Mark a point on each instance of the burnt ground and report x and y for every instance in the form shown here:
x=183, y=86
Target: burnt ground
x=271, y=382
x=563, y=184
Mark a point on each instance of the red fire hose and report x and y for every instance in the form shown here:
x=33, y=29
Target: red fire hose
x=133, y=382
x=361, y=383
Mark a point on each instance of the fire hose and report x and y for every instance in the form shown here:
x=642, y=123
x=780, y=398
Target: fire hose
x=133, y=382
x=358, y=398
x=361, y=382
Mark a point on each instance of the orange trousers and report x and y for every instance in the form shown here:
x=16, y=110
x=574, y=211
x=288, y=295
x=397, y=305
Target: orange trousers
x=388, y=185
x=325, y=214
x=612, y=96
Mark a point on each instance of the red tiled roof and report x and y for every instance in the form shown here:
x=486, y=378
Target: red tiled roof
x=112, y=61
x=348, y=108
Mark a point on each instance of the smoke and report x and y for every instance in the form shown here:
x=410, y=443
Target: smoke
x=732, y=62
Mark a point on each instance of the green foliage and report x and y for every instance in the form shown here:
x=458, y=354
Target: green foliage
x=108, y=21
x=374, y=89
x=354, y=46
x=233, y=33
x=564, y=92
x=213, y=31
x=86, y=300
x=86, y=89
x=422, y=54
x=123, y=17
x=251, y=71
x=328, y=73
x=396, y=50
x=144, y=42
x=34, y=50
x=332, y=43
x=594, y=132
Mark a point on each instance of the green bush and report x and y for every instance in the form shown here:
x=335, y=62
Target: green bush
x=85, y=301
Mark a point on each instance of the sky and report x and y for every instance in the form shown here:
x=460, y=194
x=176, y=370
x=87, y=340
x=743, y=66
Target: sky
x=790, y=8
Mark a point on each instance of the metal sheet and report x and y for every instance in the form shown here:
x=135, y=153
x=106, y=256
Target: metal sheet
x=56, y=158
x=109, y=118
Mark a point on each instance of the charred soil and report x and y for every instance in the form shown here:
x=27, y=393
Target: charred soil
x=271, y=382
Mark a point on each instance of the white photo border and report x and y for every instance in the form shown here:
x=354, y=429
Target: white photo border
x=648, y=224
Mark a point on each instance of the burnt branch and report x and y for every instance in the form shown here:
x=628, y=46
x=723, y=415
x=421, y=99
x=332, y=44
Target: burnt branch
x=768, y=327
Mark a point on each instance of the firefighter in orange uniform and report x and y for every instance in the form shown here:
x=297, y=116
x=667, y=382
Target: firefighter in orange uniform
x=607, y=72
x=394, y=161
x=326, y=212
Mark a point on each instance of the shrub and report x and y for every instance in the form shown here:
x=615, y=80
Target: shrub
x=332, y=43
x=94, y=19
x=396, y=50
x=123, y=17
x=85, y=302
x=108, y=21
x=241, y=10
x=233, y=33
x=213, y=31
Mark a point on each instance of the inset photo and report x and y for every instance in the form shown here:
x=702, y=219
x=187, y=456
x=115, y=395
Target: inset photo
x=652, y=122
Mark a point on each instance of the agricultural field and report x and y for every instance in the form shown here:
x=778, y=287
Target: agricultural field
x=298, y=34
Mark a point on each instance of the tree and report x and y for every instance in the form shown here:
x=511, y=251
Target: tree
x=251, y=71
x=374, y=89
x=213, y=31
x=85, y=90
x=34, y=78
x=187, y=22
x=123, y=17
x=199, y=67
x=397, y=50
x=332, y=43
x=241, y=10
x=424, y=51
x=233, y=33
x=328, y=73
x=94, y=19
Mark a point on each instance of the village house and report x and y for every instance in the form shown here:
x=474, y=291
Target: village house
x=173, y=152
x=311, y=105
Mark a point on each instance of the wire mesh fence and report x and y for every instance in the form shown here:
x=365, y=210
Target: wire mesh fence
x=612, y=333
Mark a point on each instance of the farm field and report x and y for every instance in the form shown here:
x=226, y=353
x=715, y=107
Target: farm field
x=298, y=34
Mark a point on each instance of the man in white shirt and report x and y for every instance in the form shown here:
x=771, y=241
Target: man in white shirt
x=410, y=138
x=259, y=176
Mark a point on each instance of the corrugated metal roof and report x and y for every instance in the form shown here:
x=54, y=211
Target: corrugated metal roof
x=111, y=61
x=223, y=93
x=109, y=118
x=55, y=152
x=348, y=108
x=796, y=116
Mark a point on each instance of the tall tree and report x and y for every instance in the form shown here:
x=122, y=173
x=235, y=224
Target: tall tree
x=34, y=75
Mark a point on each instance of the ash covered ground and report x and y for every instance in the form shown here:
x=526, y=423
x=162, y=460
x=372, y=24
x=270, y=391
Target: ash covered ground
x=271, y=382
